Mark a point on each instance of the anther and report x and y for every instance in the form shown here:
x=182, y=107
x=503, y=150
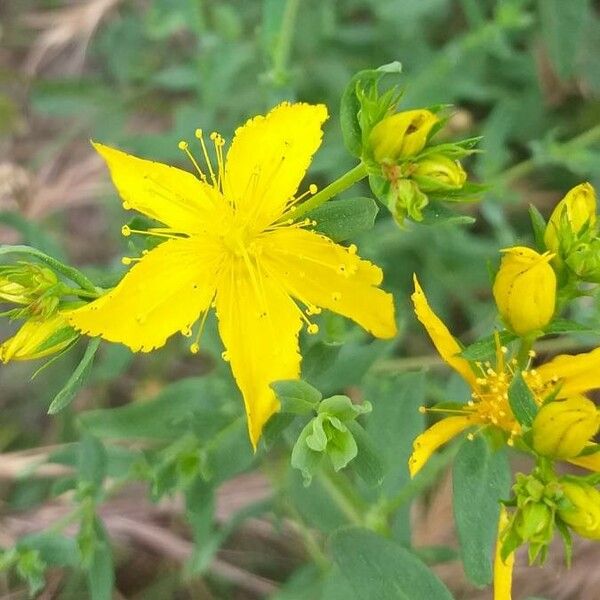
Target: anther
x=422, y=410
x=532, y=354
x=504, y=349
x=312, y=188
x=195, y=348
x=313, y=328
x=352, y=249
x=183, y=145
x=126, y=231
x=470, y=437
x=225, y=356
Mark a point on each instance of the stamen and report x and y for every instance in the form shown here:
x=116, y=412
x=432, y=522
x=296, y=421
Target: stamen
x=183, y=145
x=162, y=232
x=195, y=346
x=127, y=260
x=200, y=136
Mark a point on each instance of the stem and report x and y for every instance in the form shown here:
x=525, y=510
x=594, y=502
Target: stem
x=333, y=189
x=525, y=167
x=433, y=361
x=343, y=495
x=524, y=349
x=283, y=46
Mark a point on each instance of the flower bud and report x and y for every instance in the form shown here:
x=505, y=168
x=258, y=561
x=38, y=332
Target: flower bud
x=24, y=283
x=583, y=514
x=39, y=337
x=401, y=135
x=525, y=290
x=406, y=199
x=584, y=260
x=570, y=215
x=534, y=523
x=561, y=429
x=437, y=172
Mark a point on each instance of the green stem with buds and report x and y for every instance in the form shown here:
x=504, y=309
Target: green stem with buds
x=347, y=180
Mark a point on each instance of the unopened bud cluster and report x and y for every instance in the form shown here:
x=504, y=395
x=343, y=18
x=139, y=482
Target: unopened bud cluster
x=408, y=170
x=33, y=293
x=572, y=234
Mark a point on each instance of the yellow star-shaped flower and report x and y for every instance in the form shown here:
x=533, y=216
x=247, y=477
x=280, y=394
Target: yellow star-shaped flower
x=489, y=405
x=232, y=243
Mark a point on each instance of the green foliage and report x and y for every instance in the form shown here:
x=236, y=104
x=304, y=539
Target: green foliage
x=379, y=568
x=480, y=478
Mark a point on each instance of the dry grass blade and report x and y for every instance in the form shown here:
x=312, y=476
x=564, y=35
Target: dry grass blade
x=66, y=31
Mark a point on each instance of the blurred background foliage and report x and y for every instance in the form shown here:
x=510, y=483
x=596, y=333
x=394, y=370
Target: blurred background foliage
x=143, y=74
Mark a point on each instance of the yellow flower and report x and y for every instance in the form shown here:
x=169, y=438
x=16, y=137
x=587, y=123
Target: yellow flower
x=489, y=405
x=402, y=135
x=583, y=516
x=231, y=243
x=525, y=290
x=562, y=429
x=39, y=337
x=575, y=210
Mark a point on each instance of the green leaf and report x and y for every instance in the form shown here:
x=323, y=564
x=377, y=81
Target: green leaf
x=437, y=213
x=101, y=575
x=368, y=462
x=350, y=104
x=480, y=479
x=378, y=568
x=91, y=461
x=55, y=550
x=163, y=417
x=562, y=26
x=296, y=396
x=486, y=347
x=341, y=220
x=538, y=224
x=521, y=401
x=77, y=379
x=318, y=358
x=343, y=408
x=567, y=326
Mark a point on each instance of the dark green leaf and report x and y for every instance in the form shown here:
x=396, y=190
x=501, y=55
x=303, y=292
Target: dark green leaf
x=567, y=326
x=319, y=357
x=562, y=25
x=485, y=348
x=378, y=568
x=538, y=224
x=368, y=462
x=480, y=479
x=521, y=401
x=341, y=220
x=77, y=379
x=437, y=213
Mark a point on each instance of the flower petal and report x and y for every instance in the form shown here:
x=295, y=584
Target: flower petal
x=167, y=194
x=588, y=461
x=164, y=293
x=442, y=339
x=268, y=158
x=431, y=439
x=322, y=274
x=503, y=570
x=577, y=373
x=259, y=325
